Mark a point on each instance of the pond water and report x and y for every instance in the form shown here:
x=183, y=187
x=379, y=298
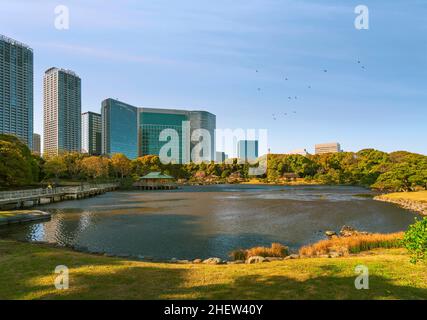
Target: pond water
x=209, y=221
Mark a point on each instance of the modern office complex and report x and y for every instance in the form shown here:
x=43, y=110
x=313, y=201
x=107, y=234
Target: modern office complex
x=332, y=147
x=119, y=128
x=16, y=89
x=137, y=131
x=36, y=144
x=61, y=111
x=247, y=150
x=91, y=133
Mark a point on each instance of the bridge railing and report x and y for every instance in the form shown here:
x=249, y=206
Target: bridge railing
x=22, y=194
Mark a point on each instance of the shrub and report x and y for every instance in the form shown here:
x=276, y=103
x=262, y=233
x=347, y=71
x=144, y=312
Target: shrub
x=353, y=244
x=276, y=250
x=239, y=254
x=415, y=240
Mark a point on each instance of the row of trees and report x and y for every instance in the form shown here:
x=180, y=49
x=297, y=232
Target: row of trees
x=76, y=166
x=20, y=168
x=396, y=171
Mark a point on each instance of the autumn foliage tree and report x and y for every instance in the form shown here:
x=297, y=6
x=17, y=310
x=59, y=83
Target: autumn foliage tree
x=95, y=167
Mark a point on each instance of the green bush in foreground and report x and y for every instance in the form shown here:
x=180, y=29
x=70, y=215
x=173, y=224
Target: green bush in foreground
x=415, y=240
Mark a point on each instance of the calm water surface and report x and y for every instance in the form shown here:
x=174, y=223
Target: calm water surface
x=209, y=221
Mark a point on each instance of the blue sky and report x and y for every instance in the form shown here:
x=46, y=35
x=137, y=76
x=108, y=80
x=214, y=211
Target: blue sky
x=200, y=54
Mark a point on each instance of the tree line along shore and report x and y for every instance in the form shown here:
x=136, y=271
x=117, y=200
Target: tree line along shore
x=399, y=171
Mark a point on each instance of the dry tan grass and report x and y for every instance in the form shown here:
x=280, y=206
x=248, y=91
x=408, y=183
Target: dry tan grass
x=276, y=250
x=353, y=244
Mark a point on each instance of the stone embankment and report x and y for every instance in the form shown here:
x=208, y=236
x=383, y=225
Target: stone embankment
x=413, y=205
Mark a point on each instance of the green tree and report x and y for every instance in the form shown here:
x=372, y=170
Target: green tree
x=18, y=167
x=415, y=240
x=55, y=167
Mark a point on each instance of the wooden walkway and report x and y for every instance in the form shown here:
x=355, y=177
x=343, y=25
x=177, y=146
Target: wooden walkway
x=20, y=199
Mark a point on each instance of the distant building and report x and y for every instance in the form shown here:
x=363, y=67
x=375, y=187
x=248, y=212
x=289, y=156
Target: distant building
x=91, y=133
x=220, y=157
x=302, y=152
x=332, y=147
x=136, y=131
x=16, y=90
x=247, y=150
x=36, y=144
x=62, y=105
x=119, y=128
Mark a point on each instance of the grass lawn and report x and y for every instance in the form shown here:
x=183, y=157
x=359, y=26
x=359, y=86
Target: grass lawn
x=27, y=272
x=415, y=196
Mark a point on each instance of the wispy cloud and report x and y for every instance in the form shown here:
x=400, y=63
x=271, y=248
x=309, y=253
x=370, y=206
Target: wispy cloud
x=106, y=54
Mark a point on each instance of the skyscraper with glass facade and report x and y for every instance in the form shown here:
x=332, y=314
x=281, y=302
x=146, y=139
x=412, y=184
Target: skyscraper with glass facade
x=137, y=131
x=119, y=128
x=62, y=107
x=247, y=150
x=16, y=89
x=152, y=122
x=91, y=133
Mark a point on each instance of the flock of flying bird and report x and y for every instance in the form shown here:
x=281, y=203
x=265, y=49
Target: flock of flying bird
x=309, y=87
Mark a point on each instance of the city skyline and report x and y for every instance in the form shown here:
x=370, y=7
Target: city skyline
x=380, y=107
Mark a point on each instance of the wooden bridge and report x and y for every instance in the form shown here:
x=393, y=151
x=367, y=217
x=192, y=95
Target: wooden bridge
x=21, y=198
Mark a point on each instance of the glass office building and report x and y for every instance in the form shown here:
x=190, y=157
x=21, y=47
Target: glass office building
x=16, y=90
x=119, y=128
x=137, y=131
x=152, y=122
x=91, y=133
x=247, y=150
x=207, y=121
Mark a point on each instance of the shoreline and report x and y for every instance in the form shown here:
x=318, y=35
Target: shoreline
x=291, y=255
x=28, y=273
x=413, y=201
